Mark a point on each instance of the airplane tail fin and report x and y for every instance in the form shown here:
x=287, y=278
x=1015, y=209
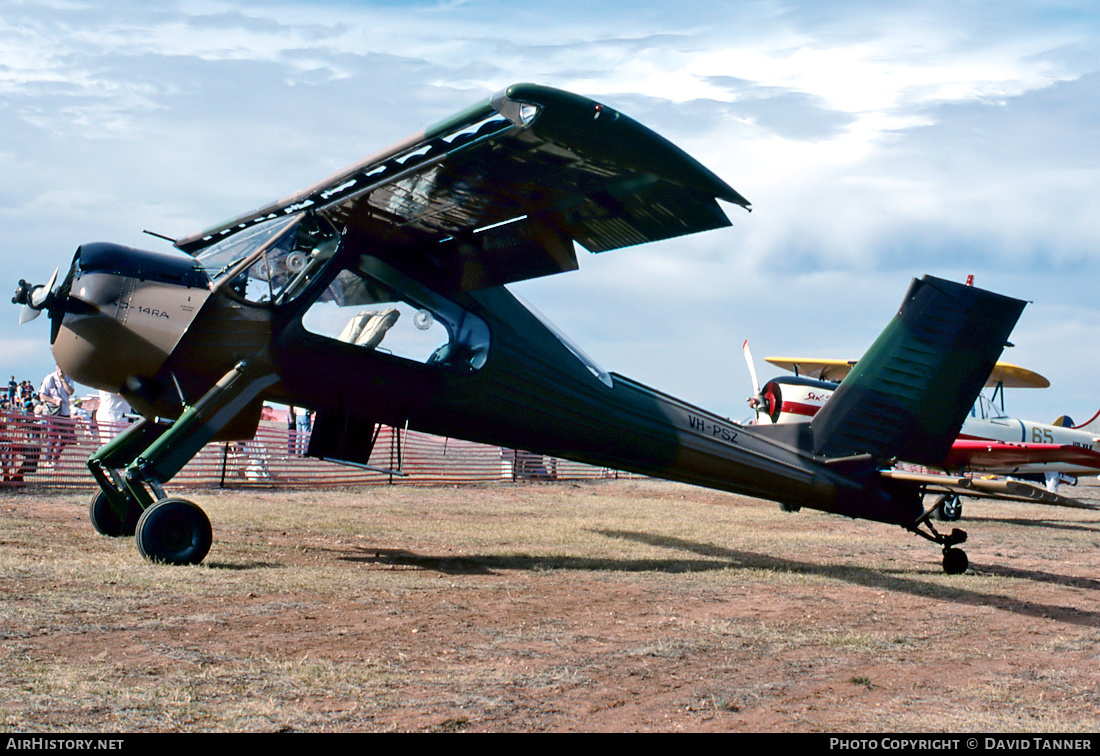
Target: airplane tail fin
x=908, y=395
x=1092, y=424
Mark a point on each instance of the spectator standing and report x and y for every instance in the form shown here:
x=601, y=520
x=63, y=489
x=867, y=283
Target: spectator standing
x=54, y=394
x=303, y=432
x=110, y=414
x=291, y=424
x=78, y=413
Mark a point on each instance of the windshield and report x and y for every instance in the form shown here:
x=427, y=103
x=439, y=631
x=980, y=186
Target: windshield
x=270, y=262
x=217, y=259
x=985, y=409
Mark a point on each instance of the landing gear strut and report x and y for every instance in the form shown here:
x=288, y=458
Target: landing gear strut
x=955, y=561
x=132, y=468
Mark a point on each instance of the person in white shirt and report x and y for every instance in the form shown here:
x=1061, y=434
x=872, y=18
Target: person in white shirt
x=110, y=415
x=54, y=395
x=55, y=392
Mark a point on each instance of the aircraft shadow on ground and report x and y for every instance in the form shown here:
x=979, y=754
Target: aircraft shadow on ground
x=229, y=566
x=714, y=557
x=1079, y=527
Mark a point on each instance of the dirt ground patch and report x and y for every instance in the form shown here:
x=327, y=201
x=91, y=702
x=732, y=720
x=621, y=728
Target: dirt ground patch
x=616, y=606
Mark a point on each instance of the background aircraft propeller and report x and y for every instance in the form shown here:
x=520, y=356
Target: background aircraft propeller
x=756, y=401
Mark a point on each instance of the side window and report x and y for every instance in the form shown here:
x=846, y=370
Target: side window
x=375, y=307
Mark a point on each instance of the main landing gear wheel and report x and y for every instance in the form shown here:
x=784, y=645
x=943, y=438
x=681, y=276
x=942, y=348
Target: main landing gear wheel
x=955, y=561
x=948, y=508
x=106, y=521
x=174, y=531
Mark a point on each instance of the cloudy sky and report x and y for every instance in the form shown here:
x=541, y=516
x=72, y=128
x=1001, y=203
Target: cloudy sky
x=877, y=143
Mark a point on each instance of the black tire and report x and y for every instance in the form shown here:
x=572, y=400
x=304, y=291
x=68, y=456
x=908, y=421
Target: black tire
x=955, y=561
x=948, y=508
x=106, y=521
x=174, y=531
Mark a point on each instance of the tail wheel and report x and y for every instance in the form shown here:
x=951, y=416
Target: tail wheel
x=106, y=520
x=174, y=531
x=955, y=561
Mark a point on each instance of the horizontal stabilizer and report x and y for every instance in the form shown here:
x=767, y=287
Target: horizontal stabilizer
x=908, y=396
x=996, y=488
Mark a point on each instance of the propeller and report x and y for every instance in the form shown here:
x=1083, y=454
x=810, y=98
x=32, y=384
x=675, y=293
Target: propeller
x=756, y=401
x=767, y=399
x=34, y=299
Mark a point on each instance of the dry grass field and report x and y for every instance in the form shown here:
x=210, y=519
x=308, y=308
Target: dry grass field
x=616, y=606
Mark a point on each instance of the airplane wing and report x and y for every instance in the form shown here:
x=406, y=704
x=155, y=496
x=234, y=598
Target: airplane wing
x=997, y=488
x=978, y=455
x=1014, y=376
x=499, y=192
x=825, y=369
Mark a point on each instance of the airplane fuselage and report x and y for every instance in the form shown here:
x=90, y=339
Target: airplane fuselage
x=1012, y=430
x=156, y=329
x=376, y=296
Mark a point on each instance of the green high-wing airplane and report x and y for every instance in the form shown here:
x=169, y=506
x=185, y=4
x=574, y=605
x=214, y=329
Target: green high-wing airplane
x=304, y=301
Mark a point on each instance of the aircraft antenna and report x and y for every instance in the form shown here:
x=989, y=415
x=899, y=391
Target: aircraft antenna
x=179, y=391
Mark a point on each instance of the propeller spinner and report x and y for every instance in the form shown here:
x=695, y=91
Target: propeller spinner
x=34, y=299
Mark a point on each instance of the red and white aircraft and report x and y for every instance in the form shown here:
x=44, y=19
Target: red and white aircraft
x=990, y=441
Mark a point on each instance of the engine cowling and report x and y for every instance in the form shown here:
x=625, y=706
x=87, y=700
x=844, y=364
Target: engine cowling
x=795, y=399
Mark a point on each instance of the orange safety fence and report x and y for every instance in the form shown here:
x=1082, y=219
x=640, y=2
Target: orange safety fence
x=52, y=452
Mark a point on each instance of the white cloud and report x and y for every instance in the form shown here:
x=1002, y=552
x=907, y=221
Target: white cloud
x=876, y=143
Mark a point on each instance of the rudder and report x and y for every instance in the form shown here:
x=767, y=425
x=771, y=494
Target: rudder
x=908, y=395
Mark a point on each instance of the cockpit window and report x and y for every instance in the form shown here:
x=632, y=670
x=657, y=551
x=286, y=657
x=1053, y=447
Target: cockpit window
x=985, y=409
x=375, y=307
x=271, y=262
